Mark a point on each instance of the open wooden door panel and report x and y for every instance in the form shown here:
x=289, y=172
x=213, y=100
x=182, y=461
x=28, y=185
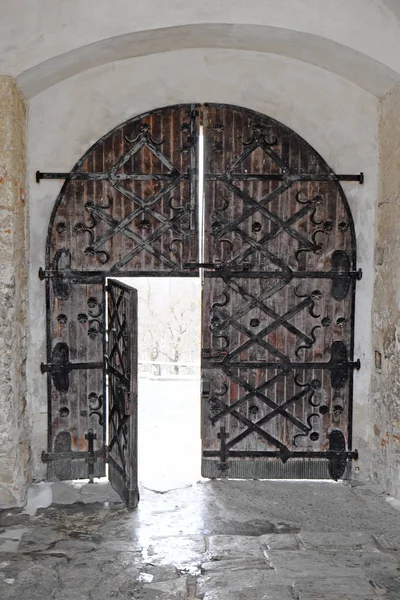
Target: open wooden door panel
x=121, y=359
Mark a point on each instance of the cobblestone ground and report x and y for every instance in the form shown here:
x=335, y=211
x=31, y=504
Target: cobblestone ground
x=215, y=540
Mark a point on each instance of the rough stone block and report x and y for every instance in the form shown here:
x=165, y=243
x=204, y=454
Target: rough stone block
x=334, y=588
x=10, y=539
x=69, y=595
x=38, y=540
x=273, y=592
x=167, y=590
x=309, y=564
x=347, y=539
x=7, y=498
x=222, y=547
x=283, y=541
x=99, y=491
x=235, y=582
x=238, y=564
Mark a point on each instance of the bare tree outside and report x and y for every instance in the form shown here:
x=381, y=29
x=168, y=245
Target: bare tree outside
x=169, y=325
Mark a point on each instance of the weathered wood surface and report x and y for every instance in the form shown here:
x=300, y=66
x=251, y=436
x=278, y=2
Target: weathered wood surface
x=269, y=226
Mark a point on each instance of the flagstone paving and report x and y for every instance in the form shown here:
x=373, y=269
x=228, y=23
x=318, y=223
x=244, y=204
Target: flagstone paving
x=215, y=540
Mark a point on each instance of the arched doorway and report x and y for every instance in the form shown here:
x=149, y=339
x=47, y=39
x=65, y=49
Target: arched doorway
x=274, y=243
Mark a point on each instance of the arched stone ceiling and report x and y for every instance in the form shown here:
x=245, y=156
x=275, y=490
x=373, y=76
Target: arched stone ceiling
x=48, y=40
x=364, y=71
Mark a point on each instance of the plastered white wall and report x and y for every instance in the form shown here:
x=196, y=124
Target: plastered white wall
x=336, y=117
x=53, y=39
x=51, y=27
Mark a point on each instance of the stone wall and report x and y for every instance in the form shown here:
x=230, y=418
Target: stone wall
x=385, y=393
x=14, y=429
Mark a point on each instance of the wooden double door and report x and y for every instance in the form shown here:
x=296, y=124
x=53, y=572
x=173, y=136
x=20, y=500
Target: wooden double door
x=263, y=220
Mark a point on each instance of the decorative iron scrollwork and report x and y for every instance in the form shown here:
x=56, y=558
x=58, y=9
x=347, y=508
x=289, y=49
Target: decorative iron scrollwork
x=260, y=137
x=95, y=325
x=91, y=250
x=310, y=344
x=144, y=135
x=313, y=435
x=95, y=402
x=173, y=243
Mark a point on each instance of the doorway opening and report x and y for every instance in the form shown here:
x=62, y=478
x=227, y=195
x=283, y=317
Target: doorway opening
x=169, y=316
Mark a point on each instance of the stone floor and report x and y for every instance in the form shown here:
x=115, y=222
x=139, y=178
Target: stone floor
x=216, y=540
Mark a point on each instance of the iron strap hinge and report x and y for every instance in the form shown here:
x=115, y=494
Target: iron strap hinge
x=283, y=365
x=83, y=176
x=69, y=366
x=328, y=454
x=217, y=266
x=48, y=457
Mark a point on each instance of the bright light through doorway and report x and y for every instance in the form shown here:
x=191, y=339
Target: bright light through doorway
x=169, y=380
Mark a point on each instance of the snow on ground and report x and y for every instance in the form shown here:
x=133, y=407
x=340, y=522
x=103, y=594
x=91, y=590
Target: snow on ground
x=169, y=432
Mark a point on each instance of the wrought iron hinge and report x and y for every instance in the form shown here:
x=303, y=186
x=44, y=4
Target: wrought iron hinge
x=69, y=366
x=48, y=457
x=216, y=266
x=83, y=176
